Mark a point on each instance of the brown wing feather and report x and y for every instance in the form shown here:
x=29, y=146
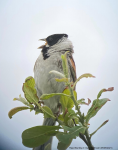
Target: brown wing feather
x=72, y=68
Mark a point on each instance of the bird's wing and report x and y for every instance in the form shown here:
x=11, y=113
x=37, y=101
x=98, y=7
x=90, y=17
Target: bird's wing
x=72, y=68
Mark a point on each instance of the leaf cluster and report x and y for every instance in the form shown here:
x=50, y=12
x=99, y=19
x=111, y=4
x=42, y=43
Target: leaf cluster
x=73, y=123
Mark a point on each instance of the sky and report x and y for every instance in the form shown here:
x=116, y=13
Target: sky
x=92, y=26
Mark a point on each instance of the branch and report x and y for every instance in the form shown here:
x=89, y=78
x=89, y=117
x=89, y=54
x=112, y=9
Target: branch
x=90, y=146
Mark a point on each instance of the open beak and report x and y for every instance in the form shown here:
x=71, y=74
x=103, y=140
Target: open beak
x=42, y=39
x=42, y=45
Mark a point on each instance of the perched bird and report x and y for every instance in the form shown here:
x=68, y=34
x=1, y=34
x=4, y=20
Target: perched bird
x=48, y=60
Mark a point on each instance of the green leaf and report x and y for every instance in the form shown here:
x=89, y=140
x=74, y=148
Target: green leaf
x=71, y=111
x=29, y=90
x=66, y=119
x=67, y=102
x=48, y=147
x=64, y=64
x=64, y=100
x=37, y=111
x=70, y=123
x=47, y=96
x=62, y=80
x=24, y=101
x=82, y=101
x=47, y=112
x=73, y=117
x=30, y=94
x=98, y=128
x=63, y=146
x=57, y=73
x=104, y=90
x=64, y=137
x=38, y=135
x=75, y=94
x=76, y=129
x=96, y=106
x=15, y=110
x=61, y=117
x=73, y=132
x=31, y=83
x=32, y=98
x=86, y=75
x=28, y=78
x=82, y=119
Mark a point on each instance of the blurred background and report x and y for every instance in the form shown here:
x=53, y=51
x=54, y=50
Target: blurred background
x=92, y=27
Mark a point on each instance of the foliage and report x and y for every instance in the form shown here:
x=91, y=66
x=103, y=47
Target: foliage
x=32, y=136
x=72, y=122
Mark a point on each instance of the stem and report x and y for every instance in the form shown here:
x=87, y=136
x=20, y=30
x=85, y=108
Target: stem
x=44, y=110
x=90, y=146
x=73, y=98
x=83, y=138
x=65, y=69
x=75, y=102
x=74, y=122
x=74, y=84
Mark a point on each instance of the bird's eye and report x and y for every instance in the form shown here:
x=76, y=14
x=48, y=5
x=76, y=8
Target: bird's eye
x=65, y=35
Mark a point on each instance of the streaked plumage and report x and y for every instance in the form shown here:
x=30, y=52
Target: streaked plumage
x=48, y=60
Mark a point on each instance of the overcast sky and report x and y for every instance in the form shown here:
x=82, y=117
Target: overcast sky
x=92, y=26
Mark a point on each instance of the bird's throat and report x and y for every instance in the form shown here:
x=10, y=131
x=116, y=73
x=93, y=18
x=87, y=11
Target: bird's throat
x=45, y=52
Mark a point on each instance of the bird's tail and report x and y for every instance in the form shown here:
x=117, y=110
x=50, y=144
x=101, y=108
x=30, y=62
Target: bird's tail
x=46, y=122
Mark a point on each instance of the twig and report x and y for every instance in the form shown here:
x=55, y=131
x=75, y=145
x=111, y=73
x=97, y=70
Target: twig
x=90, y=146
x=83, y=138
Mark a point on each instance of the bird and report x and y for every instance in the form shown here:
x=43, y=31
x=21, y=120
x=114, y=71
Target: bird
x=50, y=59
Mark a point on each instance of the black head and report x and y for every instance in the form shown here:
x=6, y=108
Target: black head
x=53, y=39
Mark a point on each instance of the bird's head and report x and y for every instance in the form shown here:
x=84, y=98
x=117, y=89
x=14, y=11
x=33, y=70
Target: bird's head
x=56, y=43
x=53, y=39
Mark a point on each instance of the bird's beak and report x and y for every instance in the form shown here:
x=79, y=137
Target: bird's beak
x=42, y=45
x=42, y=39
